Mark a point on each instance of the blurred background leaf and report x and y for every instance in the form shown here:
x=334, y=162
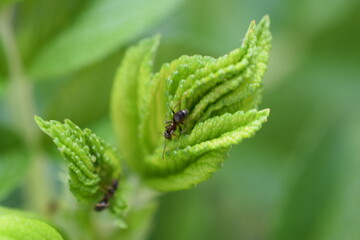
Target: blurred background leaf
x=16, y=228
x=13, y=167
x=3, y=64
x=83, y=97
x=13, y=162
x=47, y=20
x=304, y=163
x=5, y=3
x=100, y=29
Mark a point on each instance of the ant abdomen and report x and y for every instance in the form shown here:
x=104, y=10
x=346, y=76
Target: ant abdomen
x=104, y=202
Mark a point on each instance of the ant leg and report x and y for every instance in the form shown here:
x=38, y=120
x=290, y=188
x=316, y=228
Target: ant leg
x=179, y=103
x=167, y=122
x=183, y=130
x=175, y=107
x=104, y=190
x=180, y=128
x=163, y=154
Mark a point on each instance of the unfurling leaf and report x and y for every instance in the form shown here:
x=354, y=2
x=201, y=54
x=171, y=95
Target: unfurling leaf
x=93, y=164
x=220, y=95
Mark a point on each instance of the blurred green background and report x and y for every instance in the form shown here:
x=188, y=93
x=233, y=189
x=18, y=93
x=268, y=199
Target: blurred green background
x=299, y=178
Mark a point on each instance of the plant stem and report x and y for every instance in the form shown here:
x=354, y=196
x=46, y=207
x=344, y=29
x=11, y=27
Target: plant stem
x=21, y=110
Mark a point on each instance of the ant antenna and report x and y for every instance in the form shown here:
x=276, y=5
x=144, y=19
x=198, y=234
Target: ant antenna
x=179, y=102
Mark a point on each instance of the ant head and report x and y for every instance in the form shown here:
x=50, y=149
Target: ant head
x=180, y=116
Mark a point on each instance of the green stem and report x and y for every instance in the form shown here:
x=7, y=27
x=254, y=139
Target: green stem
x=22, y=105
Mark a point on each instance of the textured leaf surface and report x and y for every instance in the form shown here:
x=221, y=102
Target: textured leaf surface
x=101, y=28
x=92, y=163
x=221, y=96
x=20, y=228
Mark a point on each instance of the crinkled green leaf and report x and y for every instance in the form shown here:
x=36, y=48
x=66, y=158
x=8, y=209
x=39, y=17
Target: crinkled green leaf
x=92, y=163
x=20, y=228
x=100, y=29
x=221, y=96
x=193, y=158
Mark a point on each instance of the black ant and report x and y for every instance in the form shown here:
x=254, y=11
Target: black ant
x=178, y=118
x=110, y=191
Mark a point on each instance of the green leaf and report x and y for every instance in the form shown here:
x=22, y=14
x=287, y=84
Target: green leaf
x=3, y=86
x=13, y=165
x=6, y=3
x=86, y=89
x=13, y=162
x=92, y=163
x=221, y=96
x=101, y=28
x=322, y=202
x=193, y=158
x=19, y=228
x=48, y=19
x=3, y=65
x=127, y=97
x=143, y=203
x=140, y=222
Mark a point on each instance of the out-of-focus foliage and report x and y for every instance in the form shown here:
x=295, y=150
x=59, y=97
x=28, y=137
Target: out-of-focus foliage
x=13, y=162
x=100, y=28
x=17, y=225
x=12, y=169
x=17, y=228
x=298, y=179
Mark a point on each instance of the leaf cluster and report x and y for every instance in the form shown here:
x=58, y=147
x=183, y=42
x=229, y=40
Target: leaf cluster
x=221, y=96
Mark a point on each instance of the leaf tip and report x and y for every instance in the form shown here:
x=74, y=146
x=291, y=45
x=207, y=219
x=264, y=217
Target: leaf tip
x=266, y=111
x=39, y=121
x=265, y=21
x=252, y=25
x=266, y=18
